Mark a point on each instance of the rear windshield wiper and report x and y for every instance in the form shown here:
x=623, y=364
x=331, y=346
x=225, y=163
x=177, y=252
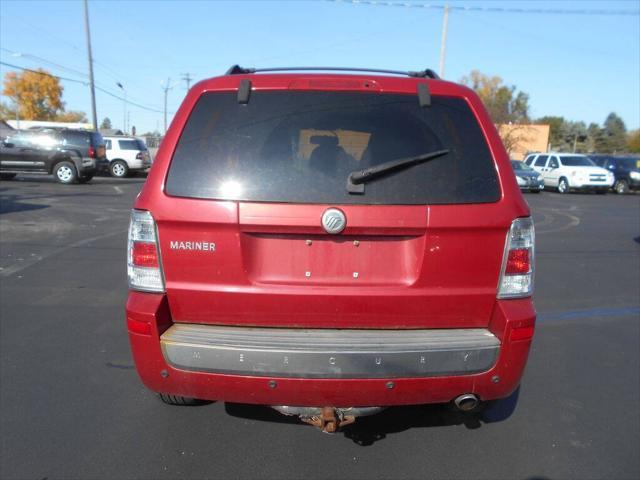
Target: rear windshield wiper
x=357, y=178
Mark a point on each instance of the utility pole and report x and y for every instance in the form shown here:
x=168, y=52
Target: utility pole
x=166, y=89
x=93, y=86
x=443, y=41
x=187, y=78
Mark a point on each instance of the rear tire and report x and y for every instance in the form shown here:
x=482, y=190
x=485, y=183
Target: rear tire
x=621, y=187
x=85, y=179
x=7, y=176
x=65, y=172
x=119, y=169
x=182, y=401
x=563, y=185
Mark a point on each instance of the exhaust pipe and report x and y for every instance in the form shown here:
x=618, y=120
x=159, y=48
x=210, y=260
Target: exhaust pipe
x=466, y=402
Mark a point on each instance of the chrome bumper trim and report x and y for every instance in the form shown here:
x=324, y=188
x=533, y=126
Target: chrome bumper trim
x=329, y=353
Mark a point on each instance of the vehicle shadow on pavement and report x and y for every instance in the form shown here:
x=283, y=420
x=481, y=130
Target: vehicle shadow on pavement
x=368, y=430
x=15, y=203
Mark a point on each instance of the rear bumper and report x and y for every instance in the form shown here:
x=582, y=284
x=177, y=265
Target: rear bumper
x=87, y=166
x=181, y=360
x=138, y=164
x=530, y=188
x=329, y=353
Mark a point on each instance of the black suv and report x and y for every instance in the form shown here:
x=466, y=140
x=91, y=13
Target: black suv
x=70, y=155
x=626, y=170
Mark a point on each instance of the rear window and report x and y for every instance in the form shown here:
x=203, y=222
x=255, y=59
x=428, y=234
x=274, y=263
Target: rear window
x=300, y=147
x=77, y=138
x=80, y=138
x=577, y=162
x=133, y=144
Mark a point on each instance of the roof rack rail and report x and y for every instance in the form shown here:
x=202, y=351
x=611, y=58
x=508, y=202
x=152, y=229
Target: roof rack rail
x=238, y=70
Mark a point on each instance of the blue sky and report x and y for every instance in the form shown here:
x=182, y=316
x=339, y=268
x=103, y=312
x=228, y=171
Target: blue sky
x=578, y=66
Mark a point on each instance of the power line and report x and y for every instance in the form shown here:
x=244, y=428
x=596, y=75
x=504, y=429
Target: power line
x=46, y=32
x=57, y=65
x=85, y=83
x=548, y=11
x=129, y=102
x=43, y=60
x=38, y=59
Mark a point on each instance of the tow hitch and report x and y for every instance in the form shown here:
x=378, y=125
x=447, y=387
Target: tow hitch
x=328, y=419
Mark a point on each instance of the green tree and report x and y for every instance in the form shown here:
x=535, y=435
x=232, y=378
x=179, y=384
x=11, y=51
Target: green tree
x=597, y=141
x=504, y=103
x=633, y=142
x=615, y=134
x=565, y=135
x=106, y=123
x=556, y=127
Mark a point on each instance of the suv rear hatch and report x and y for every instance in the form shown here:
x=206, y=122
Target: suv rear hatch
x=242, y=241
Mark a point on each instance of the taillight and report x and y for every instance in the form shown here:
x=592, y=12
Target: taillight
x=143, y=258
x=144, y=254
x=516, y=276
x=92, y=152
x=139, y=156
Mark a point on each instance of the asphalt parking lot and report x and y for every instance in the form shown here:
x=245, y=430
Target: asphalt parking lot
x=71, y=405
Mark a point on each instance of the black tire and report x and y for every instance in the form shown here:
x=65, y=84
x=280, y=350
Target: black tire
x=621, y=187
x=119, y=169
x=65, y=172
x=7, y=176
x=182, y=401
x=85, y=179
x=563, y=185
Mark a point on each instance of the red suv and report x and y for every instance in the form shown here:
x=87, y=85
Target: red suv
x=331, y=244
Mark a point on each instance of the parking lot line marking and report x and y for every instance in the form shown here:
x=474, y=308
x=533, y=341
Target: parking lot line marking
x=119, y=190
x=7, y=272
x=574, y=221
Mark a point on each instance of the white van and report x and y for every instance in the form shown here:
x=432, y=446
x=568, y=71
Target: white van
x=570, y=171
x=126, y=155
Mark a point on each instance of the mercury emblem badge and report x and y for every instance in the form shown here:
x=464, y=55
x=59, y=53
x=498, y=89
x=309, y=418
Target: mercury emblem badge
x=334, y=221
